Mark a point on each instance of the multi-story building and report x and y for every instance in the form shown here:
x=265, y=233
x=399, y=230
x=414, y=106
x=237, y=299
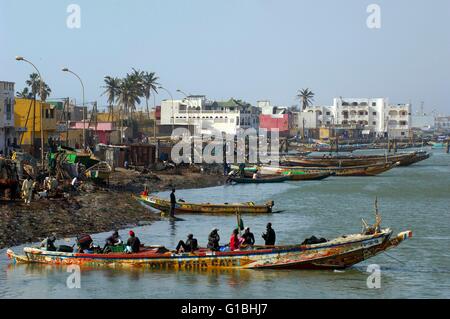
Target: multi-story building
x=7, y=132
x=375, y=115
x=275, y=118
x=442, y=124
x=207, y=116
x=27, y=121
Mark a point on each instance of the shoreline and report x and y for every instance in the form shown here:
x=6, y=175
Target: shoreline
x=94, y=209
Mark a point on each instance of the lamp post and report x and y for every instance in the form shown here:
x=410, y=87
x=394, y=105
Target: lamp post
x=173, y=118
x=187, y=109
x=84, y=110
x=42, y=96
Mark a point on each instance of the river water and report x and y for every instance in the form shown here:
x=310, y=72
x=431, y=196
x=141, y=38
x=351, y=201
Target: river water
x=410, y=198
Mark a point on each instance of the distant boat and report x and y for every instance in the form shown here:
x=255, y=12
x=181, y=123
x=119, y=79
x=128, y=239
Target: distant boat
x=260, y=180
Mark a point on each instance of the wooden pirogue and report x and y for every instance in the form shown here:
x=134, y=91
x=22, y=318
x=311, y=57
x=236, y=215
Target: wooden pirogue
x=363, y=170
x=260, y=180
x=338, y=253
x=206, y=208
x=405, y=159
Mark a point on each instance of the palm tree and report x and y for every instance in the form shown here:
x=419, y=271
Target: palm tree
x=24, y=94
x=129, y=94
x=111, y=87
x=306, y=97
x=34, y=82
x=150, y=84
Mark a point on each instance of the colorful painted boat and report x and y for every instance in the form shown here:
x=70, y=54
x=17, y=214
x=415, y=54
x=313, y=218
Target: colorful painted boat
x=261, y=180
x=365, y=170
x=339, y=253
x=206, y=208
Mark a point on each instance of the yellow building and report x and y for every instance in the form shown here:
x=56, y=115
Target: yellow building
x=25, y=113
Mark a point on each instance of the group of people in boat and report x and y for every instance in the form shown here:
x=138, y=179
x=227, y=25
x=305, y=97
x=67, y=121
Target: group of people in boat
x=114, y=243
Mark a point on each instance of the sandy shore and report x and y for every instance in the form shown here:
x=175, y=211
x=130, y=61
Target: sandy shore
x=94, y=209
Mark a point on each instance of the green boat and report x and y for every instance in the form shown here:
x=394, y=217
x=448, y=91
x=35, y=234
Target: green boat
x=260, y=180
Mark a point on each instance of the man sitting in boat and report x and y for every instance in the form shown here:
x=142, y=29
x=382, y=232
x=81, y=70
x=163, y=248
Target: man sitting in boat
x=133, y=243
x=49, y=243
x=248, y=237
x=190, y=245
x=269, y=236
x=84, y=243
x=213, y=240
x=256, y=175
x=113, y=240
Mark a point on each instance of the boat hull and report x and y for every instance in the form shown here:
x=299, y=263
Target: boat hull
x=189, y=208
x=337, y=254
x=263, y=180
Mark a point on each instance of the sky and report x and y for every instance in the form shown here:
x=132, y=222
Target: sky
x=247, y=49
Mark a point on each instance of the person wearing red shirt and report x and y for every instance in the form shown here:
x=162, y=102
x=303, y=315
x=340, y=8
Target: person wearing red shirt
x=234, y=240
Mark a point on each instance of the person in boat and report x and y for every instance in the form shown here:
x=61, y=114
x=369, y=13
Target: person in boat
x=133, y=243
x=256, y=175
x=173, y=202
x=49, y=243
x=235, y=242
x=248, y=237
x=84, y=243
x=213, y=240
x=242, y=170
x=190, y=245
x=269, y=236
x=145, y=191
x=113, y=240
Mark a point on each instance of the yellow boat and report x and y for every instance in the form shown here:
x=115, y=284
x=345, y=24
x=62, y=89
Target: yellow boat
x=206, y=208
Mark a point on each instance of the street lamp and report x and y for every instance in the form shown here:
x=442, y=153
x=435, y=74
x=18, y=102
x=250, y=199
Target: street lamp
x=41, y=88
x=187, y=109
x=173, y=118
x=84, y=110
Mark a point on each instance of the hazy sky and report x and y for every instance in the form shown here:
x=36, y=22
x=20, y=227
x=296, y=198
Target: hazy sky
x=249, y=49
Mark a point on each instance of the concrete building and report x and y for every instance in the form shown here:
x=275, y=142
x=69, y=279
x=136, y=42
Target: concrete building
x=205, y=115
x=275, y=118
x=442, y=124
x=375, y=115
x=27, y=118
x=7, y=131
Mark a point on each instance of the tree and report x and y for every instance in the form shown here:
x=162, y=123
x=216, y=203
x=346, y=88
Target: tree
x=150, y=84
x=111, y=87
x=24, y=94
x=306, y=97
x=34, y=83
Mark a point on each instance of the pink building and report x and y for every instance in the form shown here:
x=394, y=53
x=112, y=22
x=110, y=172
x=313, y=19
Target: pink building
x=102, y=130
x=271, y=122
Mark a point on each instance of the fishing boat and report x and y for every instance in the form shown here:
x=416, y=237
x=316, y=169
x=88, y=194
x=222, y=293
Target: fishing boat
x=364, y=170
x=260, y=180
x=99, y=172
x=206, y=208
x=339, y=253
x=405, y=159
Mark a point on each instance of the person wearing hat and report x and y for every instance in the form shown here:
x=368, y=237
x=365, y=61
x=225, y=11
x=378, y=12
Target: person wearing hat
x=133, y=243
x=213, y=240
x=49, y=243
x=249, y=238
x=269, y=236
x=190, y=245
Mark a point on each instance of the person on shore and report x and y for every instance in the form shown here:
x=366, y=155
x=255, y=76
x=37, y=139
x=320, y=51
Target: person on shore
x=190, y=245
x=213, y=240
x=173, y=202
x=269, y=236
x=133, y=243
x=235, y=242
x=49, y=243
x=249, y=238
x=27, y=190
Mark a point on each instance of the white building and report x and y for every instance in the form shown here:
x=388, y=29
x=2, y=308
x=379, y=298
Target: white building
x=7, y=131
x=374, y=115
x=207, y=115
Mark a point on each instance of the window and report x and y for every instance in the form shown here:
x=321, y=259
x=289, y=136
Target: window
x=374, y=123
x=374, y=113
x=328, y=113
x=374, y=103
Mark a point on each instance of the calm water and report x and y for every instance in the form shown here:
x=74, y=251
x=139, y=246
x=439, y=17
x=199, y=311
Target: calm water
x=415, y=197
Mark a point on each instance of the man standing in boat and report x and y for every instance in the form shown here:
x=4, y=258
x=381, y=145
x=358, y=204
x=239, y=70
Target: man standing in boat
x=269, y=236
x=173, y=202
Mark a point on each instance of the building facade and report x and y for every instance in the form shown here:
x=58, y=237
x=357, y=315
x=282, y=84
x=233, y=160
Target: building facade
x=274, y=118
x=28, y=115
x=375, y=115
x=8, y=139
x=207, y=116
